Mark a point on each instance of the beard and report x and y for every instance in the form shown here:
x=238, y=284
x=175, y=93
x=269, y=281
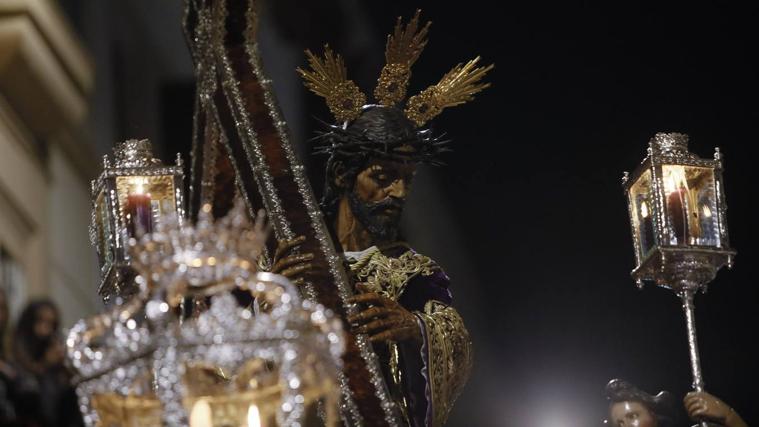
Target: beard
x=382, y=225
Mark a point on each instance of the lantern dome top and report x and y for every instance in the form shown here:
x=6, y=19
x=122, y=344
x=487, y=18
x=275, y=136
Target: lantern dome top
x=672, y=143
x=135, y=153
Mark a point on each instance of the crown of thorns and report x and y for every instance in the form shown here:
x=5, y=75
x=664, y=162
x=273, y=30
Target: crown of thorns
x=328, y=78
x=420, y=146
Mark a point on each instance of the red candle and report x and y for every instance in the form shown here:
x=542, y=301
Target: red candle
x=678, y=214
x=139, y=214
x=647, y=234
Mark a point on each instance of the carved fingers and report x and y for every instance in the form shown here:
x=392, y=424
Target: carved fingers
x=704, y=406
x=292, y=266
x=382, y=318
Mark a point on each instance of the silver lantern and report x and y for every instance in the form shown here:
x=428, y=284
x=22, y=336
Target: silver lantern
x=677, y=209
x=129, y=198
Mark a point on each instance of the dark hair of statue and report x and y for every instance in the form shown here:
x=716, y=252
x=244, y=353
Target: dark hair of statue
x=661, y=405
x=380, y=132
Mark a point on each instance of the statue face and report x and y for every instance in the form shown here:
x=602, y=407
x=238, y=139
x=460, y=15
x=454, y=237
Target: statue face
x=631, y=414
x=379, y=195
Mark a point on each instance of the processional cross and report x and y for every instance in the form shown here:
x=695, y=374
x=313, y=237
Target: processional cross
x=241, y=146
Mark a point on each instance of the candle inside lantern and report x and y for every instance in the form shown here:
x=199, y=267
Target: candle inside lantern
x=676, y=187
x=676, y=204
x=647, y=229
x=254, y=416
x=200, y=416
x=139, y=212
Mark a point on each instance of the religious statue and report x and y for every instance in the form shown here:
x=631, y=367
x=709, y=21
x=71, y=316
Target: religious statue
x=702, y=406
x=403, y=296
x=408, y=354
x=631, y=407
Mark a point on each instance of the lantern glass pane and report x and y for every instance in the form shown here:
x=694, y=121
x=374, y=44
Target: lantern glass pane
x=691, y=205
x=214, y=400
x=144, y=200
x=103, y=225
x=642, y=207
x=253, y=394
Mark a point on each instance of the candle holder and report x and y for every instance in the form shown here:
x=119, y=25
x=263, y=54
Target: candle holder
x=276, y=363
x=130, y=197
x=677, y=208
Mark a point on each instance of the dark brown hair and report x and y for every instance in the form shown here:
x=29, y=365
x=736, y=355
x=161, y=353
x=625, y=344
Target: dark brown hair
x=378, y=133
x=661, y=405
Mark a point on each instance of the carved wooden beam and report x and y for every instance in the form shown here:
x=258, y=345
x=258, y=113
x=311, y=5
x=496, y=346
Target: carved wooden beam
x=237, y=114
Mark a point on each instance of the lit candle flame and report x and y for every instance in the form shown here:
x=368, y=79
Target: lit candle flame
x=674, y=179
x=644, y=210
x=254, y=418
x=139, y=184
x=707, y=212
x=200, y=416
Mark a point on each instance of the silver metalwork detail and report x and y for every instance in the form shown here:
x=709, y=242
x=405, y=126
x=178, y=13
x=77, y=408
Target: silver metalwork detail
x=252, y=149
x=674, y=144
x=135, y=153
x=112, y=351
x=325, y=242
x=131, y=158
x=683, y=266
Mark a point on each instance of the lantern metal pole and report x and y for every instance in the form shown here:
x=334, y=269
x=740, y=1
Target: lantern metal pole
x=687, y=295
x=683, y=264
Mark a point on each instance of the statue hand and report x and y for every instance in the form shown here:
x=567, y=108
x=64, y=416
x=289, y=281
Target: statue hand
x=292, y=266
x=702, y=406
x=383, y=318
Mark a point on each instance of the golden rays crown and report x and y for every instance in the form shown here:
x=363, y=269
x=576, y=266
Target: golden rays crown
x=328, y=78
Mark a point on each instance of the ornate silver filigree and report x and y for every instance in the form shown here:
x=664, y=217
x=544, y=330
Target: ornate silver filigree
x=135, y=153
x=114, y=352
x=132, y=158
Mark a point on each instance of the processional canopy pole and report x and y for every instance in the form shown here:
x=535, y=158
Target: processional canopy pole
x=677, y=208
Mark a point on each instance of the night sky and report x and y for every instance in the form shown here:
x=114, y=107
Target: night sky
x=529, y=218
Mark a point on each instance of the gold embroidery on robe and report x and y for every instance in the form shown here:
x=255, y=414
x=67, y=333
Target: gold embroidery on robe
x=449, y=351
x=449, y=348
x=389, y=276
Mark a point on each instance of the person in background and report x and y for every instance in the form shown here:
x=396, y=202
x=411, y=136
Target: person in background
x=7, y=373
x=44, y=394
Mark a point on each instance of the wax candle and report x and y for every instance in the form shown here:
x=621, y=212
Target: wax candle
x=647, y=229
x=678, y=214
x=139, y=214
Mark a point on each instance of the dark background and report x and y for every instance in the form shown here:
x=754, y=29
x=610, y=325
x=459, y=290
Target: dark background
x=528, y=217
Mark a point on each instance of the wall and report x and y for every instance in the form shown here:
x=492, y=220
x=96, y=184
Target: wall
x=46, y=160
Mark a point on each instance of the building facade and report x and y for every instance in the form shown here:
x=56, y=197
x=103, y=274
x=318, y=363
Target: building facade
x=46, y=160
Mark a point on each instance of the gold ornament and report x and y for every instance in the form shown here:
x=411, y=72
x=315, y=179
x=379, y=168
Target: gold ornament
x=401, y=52
x=455, y=88
x=328, y=78
x=423, y=107
x=390, y=275
x=346, y=101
